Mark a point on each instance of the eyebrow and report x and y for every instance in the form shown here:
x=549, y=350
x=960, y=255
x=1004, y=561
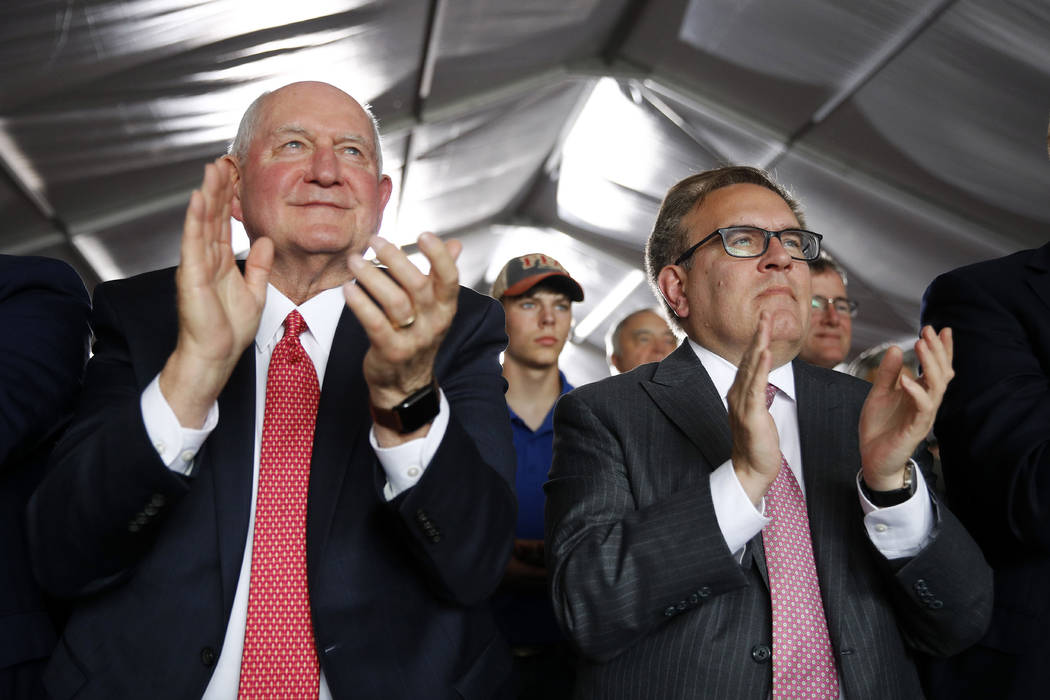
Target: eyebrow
x=343, y=138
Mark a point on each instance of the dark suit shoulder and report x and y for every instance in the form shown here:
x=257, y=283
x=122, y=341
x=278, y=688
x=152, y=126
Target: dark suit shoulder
x=1000, y=271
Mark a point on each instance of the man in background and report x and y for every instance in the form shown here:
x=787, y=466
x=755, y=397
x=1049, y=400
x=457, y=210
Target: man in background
x=292, y=478
x=831, y=315
x=994, y=434
x=44, y=311
x=537, y=294
x=639, y=337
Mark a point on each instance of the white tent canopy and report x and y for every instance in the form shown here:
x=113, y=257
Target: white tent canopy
x=914, y=133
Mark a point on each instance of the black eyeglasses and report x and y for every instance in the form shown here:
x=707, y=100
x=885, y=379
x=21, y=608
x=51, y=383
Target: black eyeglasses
x=753, y=242
x=842, y=305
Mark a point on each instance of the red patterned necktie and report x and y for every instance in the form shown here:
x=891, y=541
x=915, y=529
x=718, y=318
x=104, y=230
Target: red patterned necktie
x=803, y=665
x=280, y=659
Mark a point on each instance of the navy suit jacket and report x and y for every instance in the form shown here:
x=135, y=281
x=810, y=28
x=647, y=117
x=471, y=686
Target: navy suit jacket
x=644, y=582
x=44, y=335
x=994, y=433
x=398, y=589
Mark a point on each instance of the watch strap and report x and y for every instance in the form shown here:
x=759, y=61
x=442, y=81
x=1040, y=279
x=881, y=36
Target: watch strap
x=421, y=407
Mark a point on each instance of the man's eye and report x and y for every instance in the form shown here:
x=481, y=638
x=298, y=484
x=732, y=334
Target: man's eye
x=528, y=305
x=352, y=150
x=562, y=307
x=793, y=242
x=293, y=145
x=742, y=241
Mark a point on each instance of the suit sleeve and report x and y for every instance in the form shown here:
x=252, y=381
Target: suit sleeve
x=88, y=521
x=994, y=424
x=618, y=571
x=44, y=309
x=460, y=516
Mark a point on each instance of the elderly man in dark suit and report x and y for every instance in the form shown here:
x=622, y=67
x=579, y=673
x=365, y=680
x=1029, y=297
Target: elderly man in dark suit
x=44, y=311
x=785, y=547
x=994, y=433
x=295, y=480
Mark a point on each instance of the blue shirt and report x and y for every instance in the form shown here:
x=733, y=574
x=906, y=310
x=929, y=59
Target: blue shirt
x=534, y=449
x=528, y=618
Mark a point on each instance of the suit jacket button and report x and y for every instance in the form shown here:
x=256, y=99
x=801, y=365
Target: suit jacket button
x=670, y=610
x=694, y=599
x=704, y=592
x=760, y=653
x=935, y=604
x=208, y=656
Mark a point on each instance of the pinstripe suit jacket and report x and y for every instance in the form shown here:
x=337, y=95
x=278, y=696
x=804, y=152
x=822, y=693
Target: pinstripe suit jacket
x=645, y=585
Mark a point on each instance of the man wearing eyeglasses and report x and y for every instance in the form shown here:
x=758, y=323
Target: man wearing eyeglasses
x=732, y=523
x=831, y=315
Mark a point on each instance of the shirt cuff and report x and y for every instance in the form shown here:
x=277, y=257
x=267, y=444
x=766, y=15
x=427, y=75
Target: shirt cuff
x=901, y=530
x=176, y=445
x=738, y=519
x=404, y=464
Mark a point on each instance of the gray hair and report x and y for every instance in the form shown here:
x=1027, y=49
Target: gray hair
x=826, y=263
x=242, y=142
x=669, y=238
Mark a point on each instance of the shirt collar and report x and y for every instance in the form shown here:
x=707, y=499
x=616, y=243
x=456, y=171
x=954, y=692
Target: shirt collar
x=321, y=313
x=723, y=372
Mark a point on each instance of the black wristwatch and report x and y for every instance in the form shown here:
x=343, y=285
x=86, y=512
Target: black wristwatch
x=413, y=413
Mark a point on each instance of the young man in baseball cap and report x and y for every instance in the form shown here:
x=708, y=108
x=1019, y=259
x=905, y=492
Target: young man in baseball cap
x=537, y=295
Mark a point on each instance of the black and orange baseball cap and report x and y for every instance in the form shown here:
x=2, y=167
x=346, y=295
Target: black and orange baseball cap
x=523, y=273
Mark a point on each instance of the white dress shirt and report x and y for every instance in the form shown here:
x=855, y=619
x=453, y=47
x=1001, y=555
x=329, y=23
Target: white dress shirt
x=177, y=447
x=897, y=531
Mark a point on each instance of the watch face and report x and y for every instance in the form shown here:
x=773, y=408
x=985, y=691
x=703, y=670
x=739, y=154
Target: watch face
x=419, y=408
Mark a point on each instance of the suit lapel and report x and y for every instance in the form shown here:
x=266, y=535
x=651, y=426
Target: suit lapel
x=231, y=459
x=342, y=416
x=822, y=426
x=683, y=391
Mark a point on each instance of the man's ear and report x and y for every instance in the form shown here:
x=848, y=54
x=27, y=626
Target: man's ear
x=235, y=174
x=386, y=186
x=671, y=282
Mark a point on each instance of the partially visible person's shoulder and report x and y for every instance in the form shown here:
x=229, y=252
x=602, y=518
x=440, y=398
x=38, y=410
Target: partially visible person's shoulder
x=999, y=269
x=17, y=271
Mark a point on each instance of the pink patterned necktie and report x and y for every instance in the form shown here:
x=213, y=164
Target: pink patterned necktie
x=803, y=665
x=280, y=659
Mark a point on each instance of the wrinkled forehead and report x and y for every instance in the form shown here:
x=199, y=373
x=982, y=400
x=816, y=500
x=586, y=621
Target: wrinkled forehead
x=314, y=109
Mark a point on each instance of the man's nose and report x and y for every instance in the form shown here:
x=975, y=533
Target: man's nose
x=546, y=315
x=324, y=168
x=776, y=254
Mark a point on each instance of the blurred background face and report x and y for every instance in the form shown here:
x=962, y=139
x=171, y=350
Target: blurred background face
x=538, y=325
x=645, y=337
x=830, y=332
